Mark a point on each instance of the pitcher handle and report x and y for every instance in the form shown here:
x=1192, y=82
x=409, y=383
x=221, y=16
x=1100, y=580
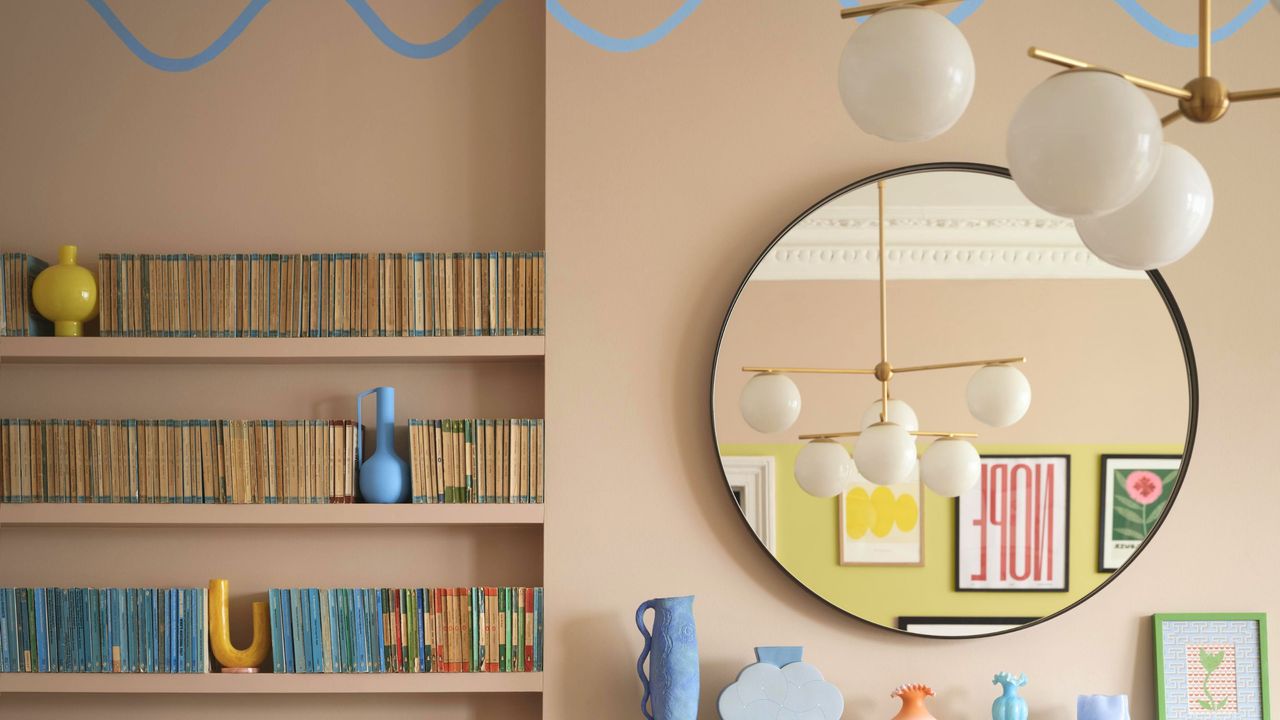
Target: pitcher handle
x=360, y=426
x=648, y=645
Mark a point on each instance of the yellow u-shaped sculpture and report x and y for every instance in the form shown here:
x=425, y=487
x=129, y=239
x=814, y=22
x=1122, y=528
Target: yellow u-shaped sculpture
x=220, y=631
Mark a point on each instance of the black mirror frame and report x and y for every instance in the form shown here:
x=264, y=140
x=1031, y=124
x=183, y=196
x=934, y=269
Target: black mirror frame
x=1179, y=324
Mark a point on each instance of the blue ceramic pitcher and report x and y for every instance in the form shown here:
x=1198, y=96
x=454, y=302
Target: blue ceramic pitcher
x=1009, y=706
x=384, y=477
x=671, y=687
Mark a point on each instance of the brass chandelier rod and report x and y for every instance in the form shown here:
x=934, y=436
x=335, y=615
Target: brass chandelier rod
x=916, y=433
x=1203, y=100
x=884, y=370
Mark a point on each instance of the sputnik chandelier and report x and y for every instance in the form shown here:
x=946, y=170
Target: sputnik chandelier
x=884, y=453
x=1085, y=144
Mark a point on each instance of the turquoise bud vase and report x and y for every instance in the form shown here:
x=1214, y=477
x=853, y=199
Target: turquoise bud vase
x=671, y=686
x=384, y=477
x=1009, y=706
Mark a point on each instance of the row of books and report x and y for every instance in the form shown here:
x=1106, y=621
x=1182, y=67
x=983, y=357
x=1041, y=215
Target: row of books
x=406, y=630
x=177, y=461
x=18, y=317
x=96, y=630
x=477, y=460
x=322, y=295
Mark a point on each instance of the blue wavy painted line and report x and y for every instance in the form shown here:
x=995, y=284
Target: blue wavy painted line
x=1157, y=27
x=614, y=44
x=957, y=15
x=422, y=51
x=172, y=64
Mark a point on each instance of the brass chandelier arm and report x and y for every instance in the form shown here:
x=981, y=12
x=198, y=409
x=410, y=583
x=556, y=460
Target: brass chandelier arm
x=864, y=10
x=1247, y=95
x=809, y=370
x=916, y=433
x=1171, y=118
x=1069, y=62
x=964, y=363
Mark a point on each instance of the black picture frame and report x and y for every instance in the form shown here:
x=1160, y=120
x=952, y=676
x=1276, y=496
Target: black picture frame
x=1104, y=489
x=1066, y=555
x=905, y=622
x=1161, y=287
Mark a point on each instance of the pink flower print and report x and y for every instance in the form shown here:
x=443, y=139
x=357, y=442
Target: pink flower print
x=1144, y=486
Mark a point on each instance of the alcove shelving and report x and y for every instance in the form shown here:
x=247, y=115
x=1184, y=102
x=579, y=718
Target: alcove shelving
x=112, y=683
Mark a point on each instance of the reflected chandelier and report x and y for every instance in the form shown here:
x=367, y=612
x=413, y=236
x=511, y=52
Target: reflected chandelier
x=884, y=453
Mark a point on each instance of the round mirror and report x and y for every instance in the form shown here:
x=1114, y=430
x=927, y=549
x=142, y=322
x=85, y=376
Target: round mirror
x=1040, y=408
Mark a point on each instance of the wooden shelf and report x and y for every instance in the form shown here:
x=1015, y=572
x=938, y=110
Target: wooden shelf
x=270, y=683
x=269, y=350
x=173, y=515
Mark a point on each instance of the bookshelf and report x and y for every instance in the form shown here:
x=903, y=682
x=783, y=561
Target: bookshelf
x=89, y=350
x=271, y=683
x=174, y=515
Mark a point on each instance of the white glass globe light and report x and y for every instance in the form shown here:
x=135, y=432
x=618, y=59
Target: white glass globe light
x=770, y=402
x=998, y=395
x=1084, y=143
x=906, y=74
x=885, y=454
x=1163, y=224
x=950, y=466
x=899, y=412
x=824, y=469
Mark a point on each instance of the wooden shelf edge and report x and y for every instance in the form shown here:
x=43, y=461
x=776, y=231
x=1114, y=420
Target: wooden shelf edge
x=270, y=683
x=88, y=350
x=176, y=515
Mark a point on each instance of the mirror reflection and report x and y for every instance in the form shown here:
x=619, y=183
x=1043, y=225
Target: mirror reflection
x=1037, y=405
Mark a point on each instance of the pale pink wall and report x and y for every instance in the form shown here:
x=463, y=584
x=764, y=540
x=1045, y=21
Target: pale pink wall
x=669, y=169
x=307, y=134
x=1104, y=361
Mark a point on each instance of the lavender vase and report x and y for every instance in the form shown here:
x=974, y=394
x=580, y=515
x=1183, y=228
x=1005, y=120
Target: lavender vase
x=671, y=686
x=1102, y=707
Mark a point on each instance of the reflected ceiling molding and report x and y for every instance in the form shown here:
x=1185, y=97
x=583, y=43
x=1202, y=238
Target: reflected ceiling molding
x=937, y=243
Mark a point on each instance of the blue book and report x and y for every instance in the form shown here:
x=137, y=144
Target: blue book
x=419, y=618
x=152, y=606
x=317, y=631
x=304, y=602
x=53, y=627
x=380, y=646
x=5, y=657
x=362, y=654
x=286, y=631
x=180, y=637
x=113, y=631
x=42, y=630
x=273, y=605
x=92, y=650
x=128, y=636
x=301, y=661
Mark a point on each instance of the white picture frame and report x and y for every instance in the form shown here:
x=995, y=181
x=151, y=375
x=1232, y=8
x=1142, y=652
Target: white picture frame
x=752, y=480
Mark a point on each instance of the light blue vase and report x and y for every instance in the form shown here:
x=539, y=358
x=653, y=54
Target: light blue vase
x=1102, y=707
x=671, y=686
x=384, y=477
x=1009, y=706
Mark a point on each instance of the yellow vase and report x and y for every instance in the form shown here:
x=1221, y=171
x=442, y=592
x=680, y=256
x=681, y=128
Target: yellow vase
x=66, y=293
x=220, y=631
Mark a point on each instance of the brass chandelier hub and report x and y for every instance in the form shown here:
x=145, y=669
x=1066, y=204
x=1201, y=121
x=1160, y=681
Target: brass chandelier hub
x=1209, y=100
x=883, y=371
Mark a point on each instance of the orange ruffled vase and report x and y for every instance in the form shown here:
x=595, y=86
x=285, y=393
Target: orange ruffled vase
x=66, y=293
x=912, y=697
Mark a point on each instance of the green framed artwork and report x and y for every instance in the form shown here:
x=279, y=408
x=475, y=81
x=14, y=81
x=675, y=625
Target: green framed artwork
x=1135, y=491
x=1211, y=666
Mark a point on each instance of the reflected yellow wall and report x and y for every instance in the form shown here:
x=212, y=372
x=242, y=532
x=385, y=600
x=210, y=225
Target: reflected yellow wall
x=808, y=544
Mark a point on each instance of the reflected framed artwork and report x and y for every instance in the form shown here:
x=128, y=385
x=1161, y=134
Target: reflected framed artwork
x=882, y=525
x=1212, y=665
x=1135, y=490
x=1012, y=527
x=940, y=626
